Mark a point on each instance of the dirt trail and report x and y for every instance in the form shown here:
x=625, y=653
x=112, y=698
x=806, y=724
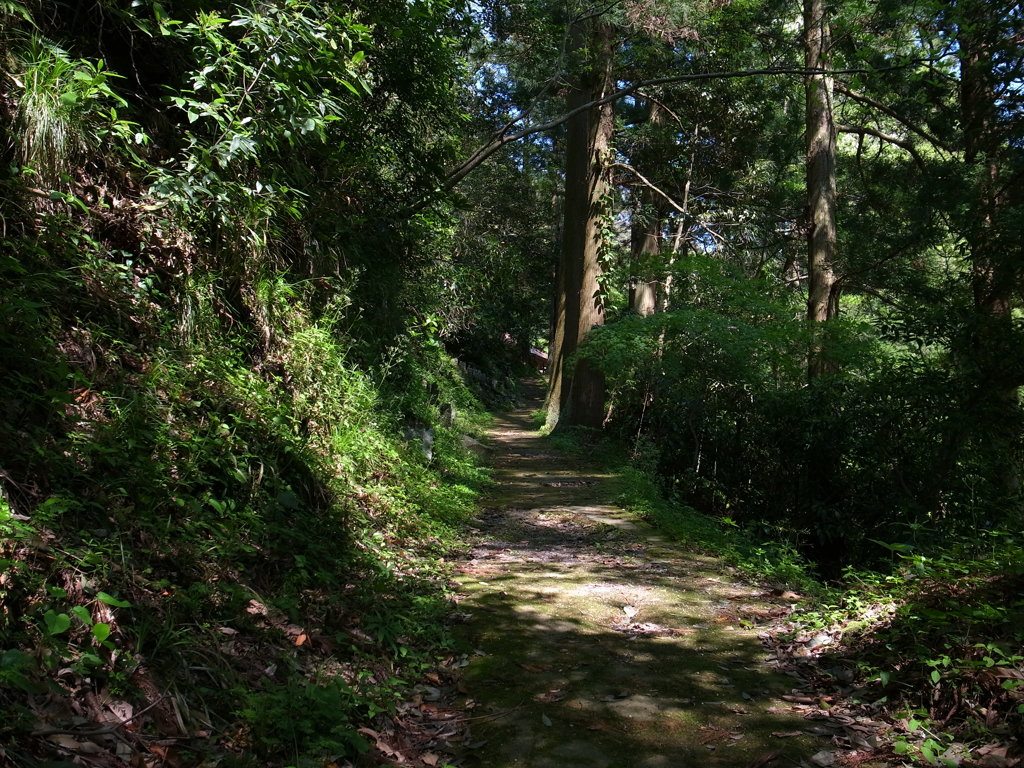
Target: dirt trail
x=594, y=641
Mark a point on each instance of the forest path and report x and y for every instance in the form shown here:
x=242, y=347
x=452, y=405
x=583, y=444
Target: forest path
x=595, y=641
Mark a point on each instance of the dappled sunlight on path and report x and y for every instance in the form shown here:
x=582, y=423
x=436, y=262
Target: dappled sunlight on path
x=595, y=641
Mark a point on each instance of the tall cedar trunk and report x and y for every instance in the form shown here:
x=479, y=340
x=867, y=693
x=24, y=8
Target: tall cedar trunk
x=588, y=136
x=993, y=279
x=823, y=289
x=823, y=460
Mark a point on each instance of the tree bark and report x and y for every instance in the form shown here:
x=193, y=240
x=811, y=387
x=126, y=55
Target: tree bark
x=589, y=132
x=645, y=240
x=556, y=358
x=823, y=461
x=993, y=275
x=823, y=288
x=553, y=400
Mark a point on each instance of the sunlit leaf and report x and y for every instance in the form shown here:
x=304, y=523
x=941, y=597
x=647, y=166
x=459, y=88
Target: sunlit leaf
x=103, y=597
x=56, y=622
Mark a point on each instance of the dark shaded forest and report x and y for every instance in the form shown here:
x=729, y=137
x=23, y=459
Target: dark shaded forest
x=265, y=267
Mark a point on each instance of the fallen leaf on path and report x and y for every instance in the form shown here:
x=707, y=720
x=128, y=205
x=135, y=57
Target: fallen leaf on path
x=800, y=699
x=390, y=751
x=786, y=734
x=555, y=694
x=786, y=594
x=546, y=720
x=997, y=756
x=430, y=759
x=167, y=754
x=820, y=640
x=711, y=733
x=70, y=743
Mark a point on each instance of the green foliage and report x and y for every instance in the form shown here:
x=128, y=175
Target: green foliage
x=716, y=388
x=768, y=560
x=61, y=106
x=12, y=8
x=205, y=483
x=324, y=730
x=265, y=88
x=203, y=468
x=936, y=634
x=218, y=314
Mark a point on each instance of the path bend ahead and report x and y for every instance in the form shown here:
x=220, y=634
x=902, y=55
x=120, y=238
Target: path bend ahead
x=595, y=641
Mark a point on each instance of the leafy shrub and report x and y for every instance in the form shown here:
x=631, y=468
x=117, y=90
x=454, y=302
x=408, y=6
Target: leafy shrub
x=301, y=721
x=887, y=444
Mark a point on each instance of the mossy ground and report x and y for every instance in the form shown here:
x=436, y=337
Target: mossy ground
x=595, y=641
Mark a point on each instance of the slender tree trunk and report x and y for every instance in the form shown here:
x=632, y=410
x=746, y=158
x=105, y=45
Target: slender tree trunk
x=992, y=281
x=556, y=356
x=645, y=238
x=588, y=138
x=823, y=291
x=665, y=293
x=823, y=460
x=992, y=270
x=553, y=401
x=645, y=242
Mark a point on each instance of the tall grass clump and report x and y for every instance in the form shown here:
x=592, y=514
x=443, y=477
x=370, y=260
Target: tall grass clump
x=60, y=98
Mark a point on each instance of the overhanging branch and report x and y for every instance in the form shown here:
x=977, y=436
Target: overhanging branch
x=647, y=183
x=498, y=141
x=868, y=101
x=863, y=130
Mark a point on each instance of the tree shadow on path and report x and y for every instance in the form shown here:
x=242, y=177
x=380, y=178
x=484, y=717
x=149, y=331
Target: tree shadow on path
x=595, y=641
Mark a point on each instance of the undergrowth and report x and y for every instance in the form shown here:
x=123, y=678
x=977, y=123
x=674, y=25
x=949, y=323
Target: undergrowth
x=765, y=560
x=217, y=543
x=241, y=545
x=935, y=642
x=938, y=646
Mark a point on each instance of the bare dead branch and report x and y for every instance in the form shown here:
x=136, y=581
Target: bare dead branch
x=649, y=184
x=662, y=105
x=41, y=732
